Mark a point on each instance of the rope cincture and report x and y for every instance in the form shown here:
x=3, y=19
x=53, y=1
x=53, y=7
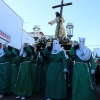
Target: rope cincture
x=19, y=71
x=4, y=63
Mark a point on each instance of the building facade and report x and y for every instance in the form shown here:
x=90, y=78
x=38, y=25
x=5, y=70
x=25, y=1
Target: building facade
x=11, y=26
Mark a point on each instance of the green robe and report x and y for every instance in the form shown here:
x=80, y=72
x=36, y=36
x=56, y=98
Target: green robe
x=13, y=70
x=33, y=71
x=38, y=74
x=69, y=74
x=55, y=80
x=5, y=72
x=44, y=71
x=24, y=84
x=82, y=84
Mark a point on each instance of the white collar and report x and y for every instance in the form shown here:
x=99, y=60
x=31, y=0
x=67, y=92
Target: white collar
x=85, y=55
x=22, y=52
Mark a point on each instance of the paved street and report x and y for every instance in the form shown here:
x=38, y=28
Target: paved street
x=40, y=96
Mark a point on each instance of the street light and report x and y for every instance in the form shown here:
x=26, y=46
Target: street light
x=36, y=30
x=69, y=28
x=26, y=24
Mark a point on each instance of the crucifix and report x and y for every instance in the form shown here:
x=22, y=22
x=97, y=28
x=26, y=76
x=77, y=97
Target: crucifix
x=61, y=9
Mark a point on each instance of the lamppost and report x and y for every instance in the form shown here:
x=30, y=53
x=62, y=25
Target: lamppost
x=26, y=24
x=69, y=28
x=36, y=32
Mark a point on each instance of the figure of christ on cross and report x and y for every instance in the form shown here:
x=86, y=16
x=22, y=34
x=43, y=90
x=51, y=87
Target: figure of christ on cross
x=60, y=31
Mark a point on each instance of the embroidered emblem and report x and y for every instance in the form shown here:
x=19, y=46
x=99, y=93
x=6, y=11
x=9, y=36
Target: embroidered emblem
x=55, y=51
x=82, y=54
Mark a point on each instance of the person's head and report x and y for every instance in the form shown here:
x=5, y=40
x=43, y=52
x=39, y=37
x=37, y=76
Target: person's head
x=98, y=61
x=56, y=48
x=57, y=14
x=81, y=42
x=55, y=45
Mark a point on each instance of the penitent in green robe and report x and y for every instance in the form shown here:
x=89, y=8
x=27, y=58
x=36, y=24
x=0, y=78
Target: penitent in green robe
x=5, y=72
x=38, y=75
x=44, y=70
x=82, y=84
x=55, y=80
x=24, y=84
x=13, y=70
x=33, y=71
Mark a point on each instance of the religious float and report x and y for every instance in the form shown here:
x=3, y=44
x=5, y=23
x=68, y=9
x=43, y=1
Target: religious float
x=64, y=42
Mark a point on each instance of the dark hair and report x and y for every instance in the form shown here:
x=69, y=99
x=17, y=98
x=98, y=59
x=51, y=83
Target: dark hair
x=76, y=47
x=57, y=14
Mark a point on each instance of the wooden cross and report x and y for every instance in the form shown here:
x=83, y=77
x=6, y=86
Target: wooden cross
x=61, y=9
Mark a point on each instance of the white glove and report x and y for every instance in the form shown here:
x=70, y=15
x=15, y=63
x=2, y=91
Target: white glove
x=48, y=99
x=65, y=70
x=72, y=43
x=46, y=45
x=39, y=54
x=92, y=71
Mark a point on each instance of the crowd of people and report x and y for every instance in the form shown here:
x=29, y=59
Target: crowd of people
x=97, y=71
x=23, y=73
